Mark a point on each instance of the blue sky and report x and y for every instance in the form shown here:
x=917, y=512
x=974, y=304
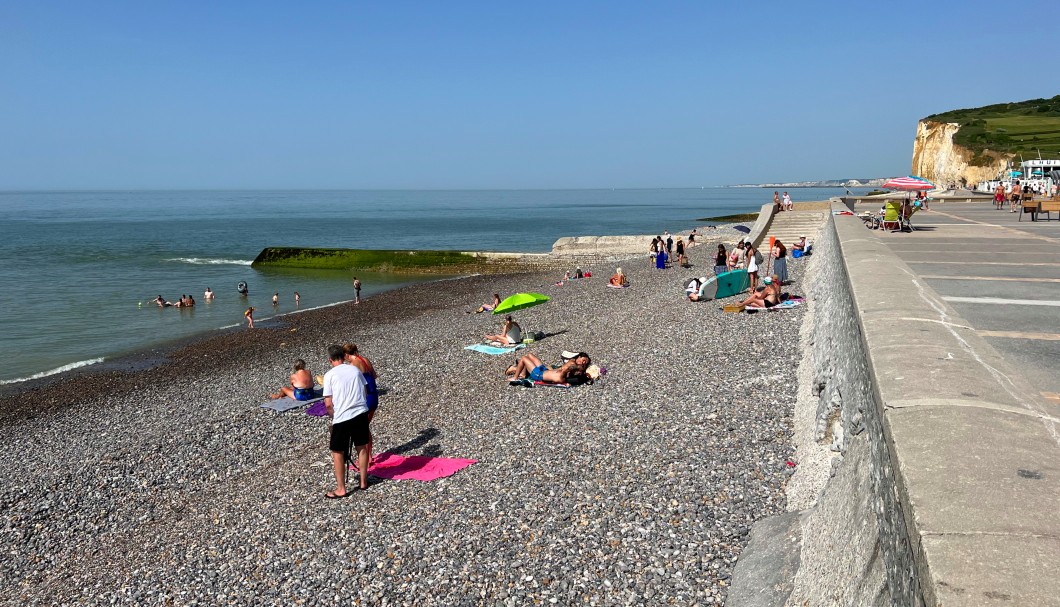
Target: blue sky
x=490, y=95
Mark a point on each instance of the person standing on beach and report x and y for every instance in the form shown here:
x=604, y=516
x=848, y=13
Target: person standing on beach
x=371, y=385
x=249, y=315
x=780, y=261
x=357, y=290
x=346, y=402
x=669, y=245
x=751, y=263
x=736, y=257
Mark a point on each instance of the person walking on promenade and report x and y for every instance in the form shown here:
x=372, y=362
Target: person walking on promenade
x=249, y=315
x=999, y=197
x=346, y=402
x=357, y=290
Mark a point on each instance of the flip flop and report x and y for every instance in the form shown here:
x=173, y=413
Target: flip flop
x=331, y=495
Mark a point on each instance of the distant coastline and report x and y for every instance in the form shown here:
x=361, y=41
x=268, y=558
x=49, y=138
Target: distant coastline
x=828, y=183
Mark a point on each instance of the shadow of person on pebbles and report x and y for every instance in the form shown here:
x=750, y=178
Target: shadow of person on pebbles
x=547, y=334
x=421, y=440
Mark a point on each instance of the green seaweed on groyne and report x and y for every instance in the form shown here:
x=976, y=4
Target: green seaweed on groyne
x=397, y=261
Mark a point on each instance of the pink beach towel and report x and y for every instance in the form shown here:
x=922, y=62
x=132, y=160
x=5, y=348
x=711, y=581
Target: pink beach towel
x=415, y=467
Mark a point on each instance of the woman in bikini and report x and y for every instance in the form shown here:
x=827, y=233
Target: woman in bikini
x=301, y=387
x=767, y=297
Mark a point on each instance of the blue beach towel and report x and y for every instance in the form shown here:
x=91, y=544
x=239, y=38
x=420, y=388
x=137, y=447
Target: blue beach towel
x=493, y=350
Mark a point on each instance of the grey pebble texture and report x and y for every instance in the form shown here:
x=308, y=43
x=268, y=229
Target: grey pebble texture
x=169, y=486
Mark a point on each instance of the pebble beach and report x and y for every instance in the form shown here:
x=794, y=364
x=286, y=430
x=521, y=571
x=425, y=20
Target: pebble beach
x=162, y=482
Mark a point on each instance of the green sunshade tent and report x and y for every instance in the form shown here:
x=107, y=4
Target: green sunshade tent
x=520, y=301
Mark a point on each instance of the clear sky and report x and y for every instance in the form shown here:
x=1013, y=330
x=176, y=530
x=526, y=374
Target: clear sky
x=458, y=94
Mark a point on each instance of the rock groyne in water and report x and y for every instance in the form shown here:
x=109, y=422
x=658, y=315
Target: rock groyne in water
x=398, y=261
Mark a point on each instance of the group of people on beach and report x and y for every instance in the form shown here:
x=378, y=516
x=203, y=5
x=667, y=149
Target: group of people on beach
x=746, y=257
x=663, y=248
x=351, y=397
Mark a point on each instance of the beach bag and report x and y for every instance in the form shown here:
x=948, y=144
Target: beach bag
x=796, y=253
x=758, y=257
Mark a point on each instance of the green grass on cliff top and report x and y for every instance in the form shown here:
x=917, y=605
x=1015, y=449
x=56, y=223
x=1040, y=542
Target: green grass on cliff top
x=1022, y=128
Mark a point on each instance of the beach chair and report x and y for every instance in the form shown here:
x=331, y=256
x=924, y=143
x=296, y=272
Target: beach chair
x=907, y=221
x=892, y=216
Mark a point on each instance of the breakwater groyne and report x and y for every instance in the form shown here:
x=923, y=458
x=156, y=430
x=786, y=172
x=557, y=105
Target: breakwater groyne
x=403, y=261
x=941, y=481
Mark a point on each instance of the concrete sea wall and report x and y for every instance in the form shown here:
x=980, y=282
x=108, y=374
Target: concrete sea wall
x=944, y=478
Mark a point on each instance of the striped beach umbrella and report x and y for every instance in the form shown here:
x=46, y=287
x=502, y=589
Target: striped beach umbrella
x=911, y=182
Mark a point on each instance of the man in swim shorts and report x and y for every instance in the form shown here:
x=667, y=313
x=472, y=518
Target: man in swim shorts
x=345, y=400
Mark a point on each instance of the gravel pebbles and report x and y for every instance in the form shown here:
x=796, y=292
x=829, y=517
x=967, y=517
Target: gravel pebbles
x=169, y=486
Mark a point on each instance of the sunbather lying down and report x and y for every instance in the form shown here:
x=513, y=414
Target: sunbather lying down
x=530, y=367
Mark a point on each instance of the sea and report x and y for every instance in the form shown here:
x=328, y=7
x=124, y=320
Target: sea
x=79, y=270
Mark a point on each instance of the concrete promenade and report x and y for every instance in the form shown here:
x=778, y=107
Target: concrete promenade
x=1000, y=274
x=936, y=388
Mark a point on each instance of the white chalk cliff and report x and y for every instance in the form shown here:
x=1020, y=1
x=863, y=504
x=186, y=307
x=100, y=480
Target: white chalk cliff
x=937, y=158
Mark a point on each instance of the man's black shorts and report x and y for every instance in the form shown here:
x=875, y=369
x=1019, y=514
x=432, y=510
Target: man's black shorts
x=352, y=430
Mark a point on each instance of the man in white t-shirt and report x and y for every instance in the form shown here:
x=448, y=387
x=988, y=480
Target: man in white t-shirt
x=347, y=403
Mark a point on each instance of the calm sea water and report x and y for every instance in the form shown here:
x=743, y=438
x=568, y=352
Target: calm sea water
x=80, y=268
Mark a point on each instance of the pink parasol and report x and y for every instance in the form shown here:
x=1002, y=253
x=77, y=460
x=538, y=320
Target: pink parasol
x=911, y=182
